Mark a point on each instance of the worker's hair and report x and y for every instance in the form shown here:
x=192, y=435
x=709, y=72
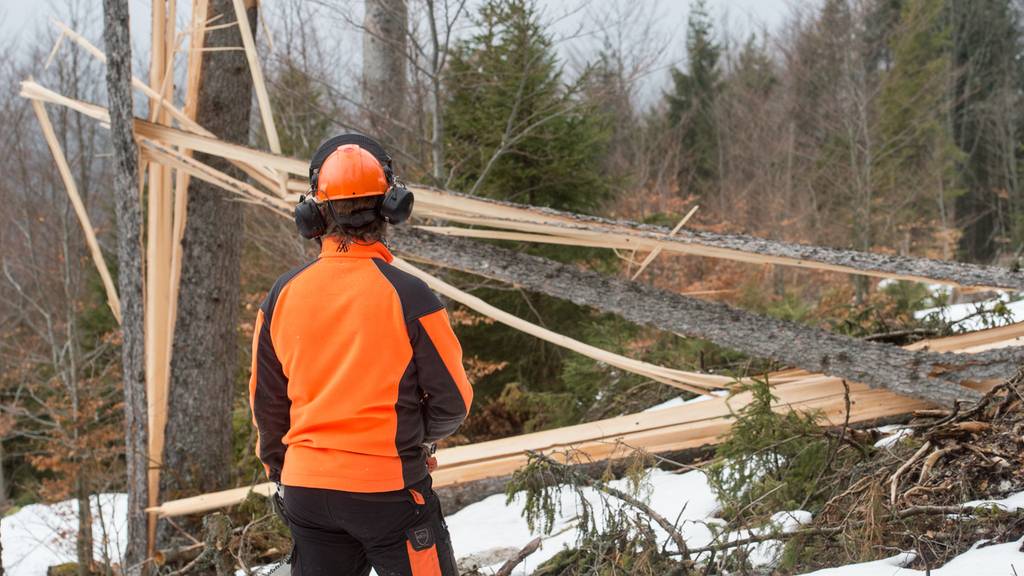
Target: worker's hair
x=375, y=231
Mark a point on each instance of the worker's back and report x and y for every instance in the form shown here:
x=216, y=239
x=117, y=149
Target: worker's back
x=356, y=372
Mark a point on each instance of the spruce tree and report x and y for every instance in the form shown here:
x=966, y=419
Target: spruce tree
x=986, y=122
x=692, y=103
x=916, y=151
x=515, y=129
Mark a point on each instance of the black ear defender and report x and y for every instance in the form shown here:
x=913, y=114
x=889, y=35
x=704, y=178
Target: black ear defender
x=397, y=204
x=308, y=219
x=395, y=207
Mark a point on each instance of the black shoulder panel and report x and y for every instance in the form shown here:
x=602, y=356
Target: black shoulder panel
x=417, y=299
x=271, y=300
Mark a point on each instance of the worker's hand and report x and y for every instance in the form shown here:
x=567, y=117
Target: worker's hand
x=431, y=463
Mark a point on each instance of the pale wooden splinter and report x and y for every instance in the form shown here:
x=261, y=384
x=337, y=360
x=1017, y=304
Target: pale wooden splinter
x=76, y=200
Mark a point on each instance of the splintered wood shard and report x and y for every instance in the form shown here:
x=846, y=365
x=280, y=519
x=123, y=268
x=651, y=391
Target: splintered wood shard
x=76, y=200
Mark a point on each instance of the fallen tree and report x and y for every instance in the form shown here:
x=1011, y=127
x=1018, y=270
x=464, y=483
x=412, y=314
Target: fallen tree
x=547, y=225
x=935, y=377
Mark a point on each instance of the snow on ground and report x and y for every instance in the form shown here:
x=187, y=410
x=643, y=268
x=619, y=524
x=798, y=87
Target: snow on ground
x=893, y=434
x=1011, y=503
x=995, y=560
x=679, y=400
x=490, y=531
x=959, y=313
x=491, y=524
x=42, y=535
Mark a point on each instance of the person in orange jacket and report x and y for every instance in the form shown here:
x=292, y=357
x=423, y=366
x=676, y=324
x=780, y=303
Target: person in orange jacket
x=356, y=372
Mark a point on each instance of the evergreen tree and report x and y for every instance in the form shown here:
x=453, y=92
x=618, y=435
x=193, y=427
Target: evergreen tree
x=986, y=124
x=515, y=129
x=916, y=150
x=692, y=103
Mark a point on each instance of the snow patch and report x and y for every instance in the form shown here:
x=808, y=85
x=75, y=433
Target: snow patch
x=680, y=401
x=1011, y=503
x=893, y=434
x=961, y=314
x=42, y=535
x=997, y=559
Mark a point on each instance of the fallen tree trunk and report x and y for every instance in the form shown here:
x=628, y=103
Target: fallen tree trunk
x=919, y=374
x=555, y=223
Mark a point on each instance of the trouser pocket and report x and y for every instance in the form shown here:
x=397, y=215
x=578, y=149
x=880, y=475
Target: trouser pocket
x=422, y=547
x=428, y=542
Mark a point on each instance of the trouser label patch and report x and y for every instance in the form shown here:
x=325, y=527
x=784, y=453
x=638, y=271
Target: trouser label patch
x=421, y=537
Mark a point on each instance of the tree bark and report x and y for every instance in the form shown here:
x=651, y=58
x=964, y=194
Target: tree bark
x=84, y=540
x=960, y=273
x=384, y=58
x=930, y=376
x=198, y=454
x=128, y=210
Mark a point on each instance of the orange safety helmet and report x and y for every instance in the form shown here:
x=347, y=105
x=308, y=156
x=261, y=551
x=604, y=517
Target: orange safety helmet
x=350, y=172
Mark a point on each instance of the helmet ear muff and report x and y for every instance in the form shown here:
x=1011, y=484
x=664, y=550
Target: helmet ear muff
x=308, y=219
x=397, y=204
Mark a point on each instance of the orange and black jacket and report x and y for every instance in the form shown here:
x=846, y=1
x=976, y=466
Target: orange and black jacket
x=354, y=367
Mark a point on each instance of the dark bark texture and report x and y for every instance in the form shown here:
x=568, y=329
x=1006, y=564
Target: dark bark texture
x=204, y=361
x=960, y=273
x=128, y=209
x=384, y=61
x=927, y=375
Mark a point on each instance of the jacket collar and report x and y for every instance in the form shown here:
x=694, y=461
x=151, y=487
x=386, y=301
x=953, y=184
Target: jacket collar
x=329, y=249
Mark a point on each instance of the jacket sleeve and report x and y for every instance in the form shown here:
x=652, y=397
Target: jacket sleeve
x=268, y=399
x=438, y=358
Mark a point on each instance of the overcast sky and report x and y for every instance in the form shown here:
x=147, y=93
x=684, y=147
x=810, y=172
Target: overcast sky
x=20, y=20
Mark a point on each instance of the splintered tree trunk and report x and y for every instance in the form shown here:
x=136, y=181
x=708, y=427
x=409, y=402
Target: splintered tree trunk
x=128, y=212
x=919, y=374
x=384, y=58
x=198, y=455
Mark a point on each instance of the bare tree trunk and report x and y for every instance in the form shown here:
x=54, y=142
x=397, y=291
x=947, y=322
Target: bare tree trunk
x=437, y=116
x=128, y=211
x=919, y=374
x=197, y=453
x=384, y=59
x=83, y=542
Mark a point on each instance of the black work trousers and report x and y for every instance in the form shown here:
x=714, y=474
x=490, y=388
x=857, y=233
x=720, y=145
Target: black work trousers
x=401, y=533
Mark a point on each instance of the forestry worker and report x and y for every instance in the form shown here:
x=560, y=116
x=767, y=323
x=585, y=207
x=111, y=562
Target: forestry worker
x=355, y=374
